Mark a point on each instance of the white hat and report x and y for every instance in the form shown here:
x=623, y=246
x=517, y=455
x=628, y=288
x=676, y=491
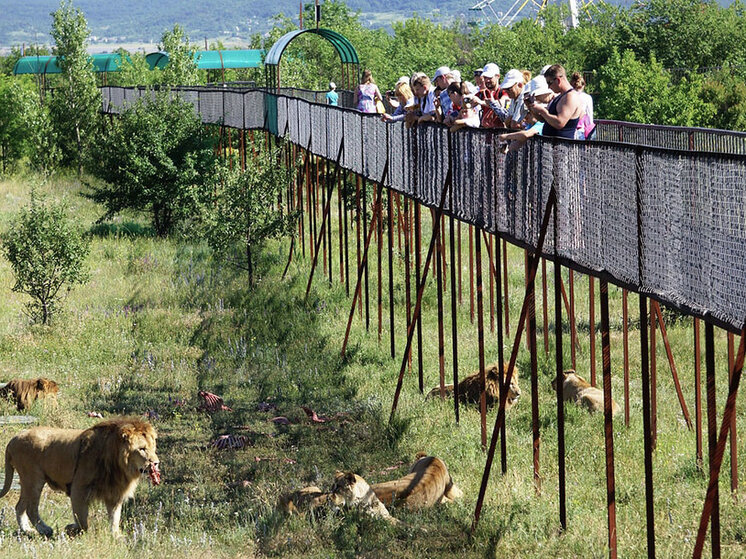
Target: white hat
x=332, y=85
x=442, y=71
x=490, y=70
x=403, y=79
x=544, y=69
x=456, y=75
x=511, y=78
x=538, y=86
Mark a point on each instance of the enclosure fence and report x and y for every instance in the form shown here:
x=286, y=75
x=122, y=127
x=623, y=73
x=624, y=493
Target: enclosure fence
x=690, y=251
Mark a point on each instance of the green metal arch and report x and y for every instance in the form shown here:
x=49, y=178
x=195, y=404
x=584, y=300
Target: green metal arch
x=347, y=53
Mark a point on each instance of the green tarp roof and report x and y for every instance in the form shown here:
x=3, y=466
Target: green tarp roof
x=344, y=48
x=48, y=64
x=213, y=59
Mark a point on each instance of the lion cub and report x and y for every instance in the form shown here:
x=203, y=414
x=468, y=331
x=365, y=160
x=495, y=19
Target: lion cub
x=469, y=389
x=428, y=483
x=309, y=498
x=351, y=490
x=26, y=391
x=576, y=389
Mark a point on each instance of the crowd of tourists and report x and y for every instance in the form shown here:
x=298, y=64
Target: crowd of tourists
x=550, y=103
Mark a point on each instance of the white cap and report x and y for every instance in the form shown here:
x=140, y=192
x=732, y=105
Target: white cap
x=490, y=70
x=403, y=79
x=332, y=85
x=442, y=71
x=538, y=86
x=511, y=78
x=456, y=75
x=545, y=68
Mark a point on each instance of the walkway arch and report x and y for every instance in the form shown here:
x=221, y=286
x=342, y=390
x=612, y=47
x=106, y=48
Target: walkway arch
x=347, y=55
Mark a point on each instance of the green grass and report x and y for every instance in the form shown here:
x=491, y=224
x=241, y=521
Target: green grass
x=160, y=320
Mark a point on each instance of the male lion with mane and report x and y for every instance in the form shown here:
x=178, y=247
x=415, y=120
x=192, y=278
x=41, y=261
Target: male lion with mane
x=101, y=463
x=470, y=388
x=26, y=391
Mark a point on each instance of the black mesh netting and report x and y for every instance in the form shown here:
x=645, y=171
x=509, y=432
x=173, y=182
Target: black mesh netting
x=692, y=205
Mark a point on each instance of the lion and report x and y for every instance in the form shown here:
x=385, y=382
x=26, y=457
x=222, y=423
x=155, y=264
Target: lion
x=26, y=391
x=576, y=389
x=101, y=463
x=428, y=483
x=309, y=498
x=470, y=389
x=351, y=490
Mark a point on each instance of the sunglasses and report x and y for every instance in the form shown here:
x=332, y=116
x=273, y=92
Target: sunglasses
x=550, y=82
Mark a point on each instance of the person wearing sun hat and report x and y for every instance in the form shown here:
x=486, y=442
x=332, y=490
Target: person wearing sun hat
x=491, y=92
x=442, y=79
x=512, y=86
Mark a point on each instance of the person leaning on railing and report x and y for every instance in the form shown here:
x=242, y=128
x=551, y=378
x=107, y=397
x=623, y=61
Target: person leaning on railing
x=402, y=100
x=563, y=112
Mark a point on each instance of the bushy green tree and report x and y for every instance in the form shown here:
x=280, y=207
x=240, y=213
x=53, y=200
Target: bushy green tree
x=641, y=91
x=246, y=212
x=181, y=68
x=47, y=253
x=156, y=158
x=76, y=101
x=17, y=98
x=725, y=91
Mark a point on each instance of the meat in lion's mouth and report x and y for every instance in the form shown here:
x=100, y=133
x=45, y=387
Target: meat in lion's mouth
x=154, y=474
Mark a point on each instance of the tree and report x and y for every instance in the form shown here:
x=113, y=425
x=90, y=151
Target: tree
x=181, y=68
x=246, y=213
x=16, y=104
x=47, y=253
x=76, y=100
x=157, y=158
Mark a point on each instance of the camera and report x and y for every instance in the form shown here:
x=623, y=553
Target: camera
x=390, y=93
x=529, y=99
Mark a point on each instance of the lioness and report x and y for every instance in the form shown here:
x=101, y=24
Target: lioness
x=576, y=389
x=103, y=463
x=26, y=391
x=351, y=490
x=428, y=483
x=470, y=389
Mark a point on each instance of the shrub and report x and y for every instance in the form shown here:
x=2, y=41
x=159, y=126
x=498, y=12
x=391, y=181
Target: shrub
x=47, y=253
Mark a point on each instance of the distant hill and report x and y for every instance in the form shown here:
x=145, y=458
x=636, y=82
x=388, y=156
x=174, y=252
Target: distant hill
x=133, y=21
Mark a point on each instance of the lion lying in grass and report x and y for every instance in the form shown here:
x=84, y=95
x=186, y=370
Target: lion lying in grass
x=351, y=490
x=102, y=463
x=576, y=389
x=428, y=483
x=26, y=391
x=470, y=389
x=308, y=498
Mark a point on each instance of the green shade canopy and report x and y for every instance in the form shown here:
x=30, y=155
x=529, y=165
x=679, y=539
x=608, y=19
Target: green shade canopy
x=344, y=48
x=213, y=59
x=48, y=64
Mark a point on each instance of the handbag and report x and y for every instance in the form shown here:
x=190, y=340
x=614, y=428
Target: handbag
x=380, y=108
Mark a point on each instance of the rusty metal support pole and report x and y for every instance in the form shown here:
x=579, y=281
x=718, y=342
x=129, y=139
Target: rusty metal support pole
x=480, y=339
x=698, y=392
x=500, y=419
x=571, y=313
x=608, y=422
x=346, y=234
x=712, y=500
x=592, y=327
x=361, y=269
x=326, y=216
x=505, y=288
x=365, y=235
x=460, y=291
x=391, y=274
x=454, y=320
x=646, y=423
x=653, y=378
x=357, y=234
x=559, y=377
x=471, y=273
x=379, y=271
x=625, y=342
x=491, y=275
x=407, y=266
x=500, y=352
x=342, y=232
x=416, y=317
x=672, y=365
x=330, y=192
x=711, y=505
x=441, y=335
x=544, y=305
x=418, y=274
x=733, y=438
x=569, y=305
x=531, y=337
